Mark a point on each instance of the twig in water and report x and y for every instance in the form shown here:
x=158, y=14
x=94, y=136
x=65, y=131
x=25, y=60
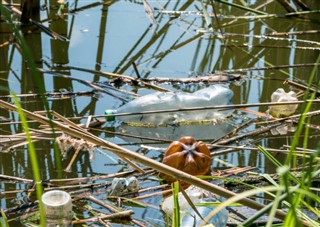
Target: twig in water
x=90, y=84
x=211, y=78
x=295, y=33
x=107, y=74
x=61, y=94
x=11, y=178
x=248, y=134
x=111, y=208
x=119, y=215
x=300, y=86
x=136, y=70
x=229, y=149
x=67, y=169
x=234, y=131
x=305, y=65
x=92, y=178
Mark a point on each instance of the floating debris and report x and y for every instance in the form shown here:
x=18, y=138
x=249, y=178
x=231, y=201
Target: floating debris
x=67, y=143
x=122, y=186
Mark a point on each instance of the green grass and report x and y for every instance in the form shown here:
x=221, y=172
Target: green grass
x=31, y=149
x=176, y=210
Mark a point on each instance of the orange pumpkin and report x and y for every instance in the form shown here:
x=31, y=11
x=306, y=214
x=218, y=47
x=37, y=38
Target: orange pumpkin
x=189, y=156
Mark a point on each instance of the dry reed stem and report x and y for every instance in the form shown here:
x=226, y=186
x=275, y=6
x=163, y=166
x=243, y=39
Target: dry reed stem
x=304, y=65
x=11, y=178
x=212, y=78
x=122, y=214
x=96, y=87
x=66, y=94
x=67, y=169
x=110, y=208
x=229, y=149
x=248, y=134
x=108, y=74
x=300, y=86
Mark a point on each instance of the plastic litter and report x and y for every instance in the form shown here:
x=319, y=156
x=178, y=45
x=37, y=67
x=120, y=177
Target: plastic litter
x=283, y=110
x=58, y=208
x=214, y=95
x=190, y=218
x=283, y=129
x=120, y=186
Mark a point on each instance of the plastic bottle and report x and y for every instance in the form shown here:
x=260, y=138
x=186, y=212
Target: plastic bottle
x=211, y=96
x=189, y=216
x=58, y=208
x=283, y=110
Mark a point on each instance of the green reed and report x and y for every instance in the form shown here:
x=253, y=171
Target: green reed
x=31, y=148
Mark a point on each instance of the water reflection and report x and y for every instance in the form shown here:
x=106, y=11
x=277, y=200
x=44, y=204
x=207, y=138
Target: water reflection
x=170, y=133
x=112, y=35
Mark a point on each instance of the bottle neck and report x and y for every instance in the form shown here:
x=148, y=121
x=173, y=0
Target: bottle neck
x=110, y=113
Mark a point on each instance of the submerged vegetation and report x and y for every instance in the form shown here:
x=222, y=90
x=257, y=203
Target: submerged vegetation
x=53, y=93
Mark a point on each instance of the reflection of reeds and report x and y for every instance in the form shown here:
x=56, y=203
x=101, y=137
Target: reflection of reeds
x=28, y=8
x=282, y=191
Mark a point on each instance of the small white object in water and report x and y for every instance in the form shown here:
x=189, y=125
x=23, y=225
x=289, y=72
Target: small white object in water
x=194, y=194
x=190, y=218
x=283, y=110
x=118, y=186
x=58, y=208
x=121, y=186
x=133, y=184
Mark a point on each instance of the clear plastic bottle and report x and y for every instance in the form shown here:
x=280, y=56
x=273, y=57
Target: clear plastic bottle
x=283, y=110
x=189, y=216
x=211, y=96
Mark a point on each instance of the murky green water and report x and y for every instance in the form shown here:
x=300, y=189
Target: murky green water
x=109, y=36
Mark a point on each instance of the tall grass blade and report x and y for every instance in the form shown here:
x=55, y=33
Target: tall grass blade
x=306, y=108
x=206, y=16
x=276, y=162
x=33, y=159
x=298, y=198
x=238, y=197
x=4, y=221
x=176, y=209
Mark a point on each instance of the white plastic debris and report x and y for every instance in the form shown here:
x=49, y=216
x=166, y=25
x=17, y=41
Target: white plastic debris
x=214, y=95
x=189, y=216
x=58, y=208
x=283, y=110
x=122, y=186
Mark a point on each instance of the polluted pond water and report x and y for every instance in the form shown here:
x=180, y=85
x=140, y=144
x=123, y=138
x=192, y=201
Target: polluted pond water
x=64, y=63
